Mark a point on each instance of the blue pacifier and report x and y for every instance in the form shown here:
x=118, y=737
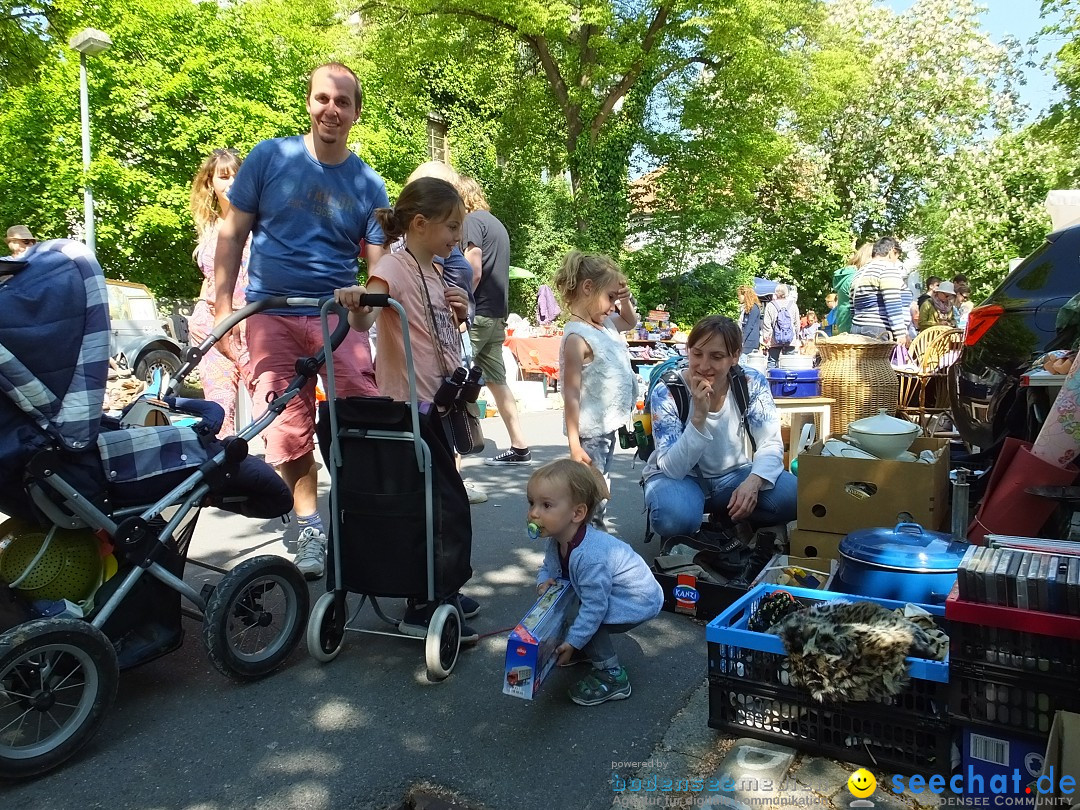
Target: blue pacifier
x=535, y=531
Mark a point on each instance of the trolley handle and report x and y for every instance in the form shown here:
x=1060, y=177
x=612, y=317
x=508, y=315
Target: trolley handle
x=375, y=300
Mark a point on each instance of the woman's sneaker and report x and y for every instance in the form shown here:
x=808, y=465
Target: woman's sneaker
x=600, y=686
x=418, y=617
x=311, y=553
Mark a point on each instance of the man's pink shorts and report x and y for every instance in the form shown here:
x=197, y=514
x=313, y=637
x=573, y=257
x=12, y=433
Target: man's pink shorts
x=275, y=342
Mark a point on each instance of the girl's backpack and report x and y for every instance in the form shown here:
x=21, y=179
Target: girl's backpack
x=669, y=372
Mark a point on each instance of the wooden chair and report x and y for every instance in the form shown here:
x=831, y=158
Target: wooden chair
x=933, y=351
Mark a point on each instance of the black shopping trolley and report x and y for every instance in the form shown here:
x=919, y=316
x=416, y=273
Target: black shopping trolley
x=400, y=525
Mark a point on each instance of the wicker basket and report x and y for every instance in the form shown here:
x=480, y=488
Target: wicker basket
x=855, y=371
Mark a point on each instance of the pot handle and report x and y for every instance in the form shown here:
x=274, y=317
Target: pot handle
x=912, y=528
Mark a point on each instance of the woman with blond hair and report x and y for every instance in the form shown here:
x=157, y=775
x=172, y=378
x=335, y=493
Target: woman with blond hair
x=841, y=283
x=220, y=377
x=749, y=321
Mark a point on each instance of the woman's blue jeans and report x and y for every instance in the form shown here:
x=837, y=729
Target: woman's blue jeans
x=676, y=506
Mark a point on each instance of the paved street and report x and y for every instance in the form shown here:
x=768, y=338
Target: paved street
x=360, y=731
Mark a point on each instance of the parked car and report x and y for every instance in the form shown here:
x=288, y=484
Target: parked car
x=1004, y=335
x=140, y=337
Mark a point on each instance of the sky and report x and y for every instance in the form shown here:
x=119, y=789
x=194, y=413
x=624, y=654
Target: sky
x=1020, y=18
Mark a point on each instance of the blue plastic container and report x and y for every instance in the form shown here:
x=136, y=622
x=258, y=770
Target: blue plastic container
x=788, y=383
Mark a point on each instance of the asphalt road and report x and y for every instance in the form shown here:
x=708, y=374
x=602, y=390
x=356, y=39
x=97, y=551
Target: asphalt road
x=360, y=731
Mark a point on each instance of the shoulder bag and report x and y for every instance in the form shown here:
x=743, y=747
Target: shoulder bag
x=461, y=420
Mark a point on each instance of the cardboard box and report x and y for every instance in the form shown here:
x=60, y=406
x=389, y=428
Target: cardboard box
x=816, y=545
x=842, y=495
x=1062, y=759
x=530, y=650
x=988, y=753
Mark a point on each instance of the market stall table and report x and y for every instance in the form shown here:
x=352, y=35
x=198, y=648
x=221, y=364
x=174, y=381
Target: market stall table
x=537, y=355
x=802, y=409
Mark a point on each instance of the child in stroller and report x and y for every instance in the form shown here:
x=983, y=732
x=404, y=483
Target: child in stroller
x=70, y=476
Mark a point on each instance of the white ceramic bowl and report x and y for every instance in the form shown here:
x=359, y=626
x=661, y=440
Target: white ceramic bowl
x=883, y=435
x=882, y=445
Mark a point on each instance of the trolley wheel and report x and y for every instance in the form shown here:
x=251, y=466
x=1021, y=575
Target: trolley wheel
x=57, y=679
x=325, y=629
x=442, y=643
x=255, y=617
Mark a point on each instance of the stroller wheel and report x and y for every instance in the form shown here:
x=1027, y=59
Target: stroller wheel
x=325, y=629
x=57, y=679
x=442, y=642
x=255, y=617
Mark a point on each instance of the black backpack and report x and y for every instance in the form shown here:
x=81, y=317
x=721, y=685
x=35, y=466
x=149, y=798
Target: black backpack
x=673, y=379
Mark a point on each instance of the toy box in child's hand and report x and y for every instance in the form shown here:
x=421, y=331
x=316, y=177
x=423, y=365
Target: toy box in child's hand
x=843, y=495
x=530, y=650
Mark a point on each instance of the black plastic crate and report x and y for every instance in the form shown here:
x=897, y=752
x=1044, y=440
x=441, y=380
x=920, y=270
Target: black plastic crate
x=869, y=734
x=922, y=698
x=1016, y=650
x=1018, y=702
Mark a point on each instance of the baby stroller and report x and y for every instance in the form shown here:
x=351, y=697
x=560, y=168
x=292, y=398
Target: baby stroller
x=400, y=520
x=71, y=476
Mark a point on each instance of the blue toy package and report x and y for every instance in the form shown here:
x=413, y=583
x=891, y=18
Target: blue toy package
x=530, y=650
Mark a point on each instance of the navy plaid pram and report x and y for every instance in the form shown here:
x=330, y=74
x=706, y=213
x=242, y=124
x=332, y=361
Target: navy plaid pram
x=134, y=493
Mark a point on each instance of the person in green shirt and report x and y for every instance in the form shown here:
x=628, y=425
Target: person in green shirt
x=841, y=283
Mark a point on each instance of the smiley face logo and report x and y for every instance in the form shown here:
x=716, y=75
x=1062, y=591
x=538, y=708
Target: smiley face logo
x=861, y=783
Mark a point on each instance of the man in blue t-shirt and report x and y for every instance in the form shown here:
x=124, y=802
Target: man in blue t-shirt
x=308, y=204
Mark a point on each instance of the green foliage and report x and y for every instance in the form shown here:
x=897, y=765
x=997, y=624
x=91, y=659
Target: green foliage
x=181, y=79
x=886, y=100
x=990, y=209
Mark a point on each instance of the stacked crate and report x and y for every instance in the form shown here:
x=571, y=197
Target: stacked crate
x=751, y=694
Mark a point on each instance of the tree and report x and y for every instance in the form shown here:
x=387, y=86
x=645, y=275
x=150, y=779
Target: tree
x=602, y=64
x=180, y=79
x=990, y=208
x=887, y=99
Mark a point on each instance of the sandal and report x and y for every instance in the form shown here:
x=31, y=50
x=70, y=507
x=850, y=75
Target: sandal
x=600, y=686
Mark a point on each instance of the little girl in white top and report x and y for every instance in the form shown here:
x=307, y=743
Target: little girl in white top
x=599, y=385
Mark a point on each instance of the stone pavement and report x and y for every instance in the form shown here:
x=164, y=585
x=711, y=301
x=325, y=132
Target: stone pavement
x=702, y=765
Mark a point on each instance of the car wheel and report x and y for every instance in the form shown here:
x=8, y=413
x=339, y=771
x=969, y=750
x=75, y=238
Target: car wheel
x=154, y=360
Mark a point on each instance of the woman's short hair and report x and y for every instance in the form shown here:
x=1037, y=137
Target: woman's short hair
x=712, y=325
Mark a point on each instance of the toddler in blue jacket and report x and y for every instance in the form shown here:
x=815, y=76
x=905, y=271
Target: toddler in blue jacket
x=616, y=588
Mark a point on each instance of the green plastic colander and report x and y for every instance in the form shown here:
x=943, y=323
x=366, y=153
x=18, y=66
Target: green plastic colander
x=70, y=567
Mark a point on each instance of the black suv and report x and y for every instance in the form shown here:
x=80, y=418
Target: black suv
x=1004, y=334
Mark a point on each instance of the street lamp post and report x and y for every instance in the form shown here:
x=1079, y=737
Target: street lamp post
x=87, y=42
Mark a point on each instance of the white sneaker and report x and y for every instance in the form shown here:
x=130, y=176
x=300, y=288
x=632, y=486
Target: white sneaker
x=311, y=553
x=475, y=495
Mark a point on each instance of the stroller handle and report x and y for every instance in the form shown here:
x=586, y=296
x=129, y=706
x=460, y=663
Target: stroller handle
x=194, y=354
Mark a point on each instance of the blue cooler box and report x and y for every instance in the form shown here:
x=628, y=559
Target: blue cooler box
x=788, y=383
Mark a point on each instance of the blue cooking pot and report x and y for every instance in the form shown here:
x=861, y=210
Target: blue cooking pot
x=905, y=563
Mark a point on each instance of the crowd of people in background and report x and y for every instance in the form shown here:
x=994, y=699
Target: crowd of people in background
x=871, y=295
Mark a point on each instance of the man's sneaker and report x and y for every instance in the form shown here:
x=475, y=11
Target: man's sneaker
x=600, y=686
x=510, y=458
x=311, y=553
x=418, y=616
x=475, y=495
x=469, y=607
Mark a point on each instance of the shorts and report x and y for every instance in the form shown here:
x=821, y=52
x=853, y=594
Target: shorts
x=275, y=342
x=487, y=336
